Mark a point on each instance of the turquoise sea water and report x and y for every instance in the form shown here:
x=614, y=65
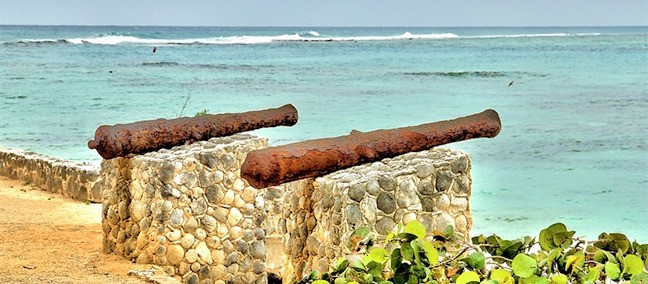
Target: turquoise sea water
x=574, y=143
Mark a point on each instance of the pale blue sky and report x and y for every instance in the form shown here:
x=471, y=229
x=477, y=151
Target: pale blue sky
x=326, y=13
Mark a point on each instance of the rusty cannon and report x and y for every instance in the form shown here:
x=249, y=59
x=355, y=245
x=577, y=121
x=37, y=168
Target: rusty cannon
x=280, y=164
x=119, y=140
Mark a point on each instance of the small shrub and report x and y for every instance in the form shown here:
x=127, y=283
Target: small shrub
x=202, y=112
x=409, y=256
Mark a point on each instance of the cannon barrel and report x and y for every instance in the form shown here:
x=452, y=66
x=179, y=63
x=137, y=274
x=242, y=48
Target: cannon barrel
x=144, y=136
x=276, y=165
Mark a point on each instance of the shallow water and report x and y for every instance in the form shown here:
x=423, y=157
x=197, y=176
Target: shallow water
x=573, y=147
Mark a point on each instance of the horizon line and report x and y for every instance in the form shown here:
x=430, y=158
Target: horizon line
x=326, y=26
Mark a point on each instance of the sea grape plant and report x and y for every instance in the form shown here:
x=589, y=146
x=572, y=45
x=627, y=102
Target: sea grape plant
x=202, y=112
x=410, y=255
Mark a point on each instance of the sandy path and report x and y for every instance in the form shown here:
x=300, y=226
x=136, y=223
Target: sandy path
x=49, y=238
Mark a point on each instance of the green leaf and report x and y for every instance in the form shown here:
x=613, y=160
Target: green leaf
x=524, y=265
x=576, y=260
x=621, y=242
x=478, y=240
x=640, y=278
x=557, y=227
x=412, y=279
x=358, y=265
x=601, y=256
x=546, y=237
x=340, y=280
x=368, y=278
x=396, y=259
x=417, y=270
x=632, y=265
x=400, y=278
x=320, y=282
x=375, y=269
x=438, y=272
x=491, y=244
x=563, y=239
x=475, y=261
x=502, y=276
x=593, y=273
x=467, y=277
x=379, y=255
x=511, y=249
x=553, y=255
x=430, y=252
x=313, y=275
x=641, y=250
x=528, y=240
x=407, y=252
x=407, y=236
x=613, y=242
x=353, y=275
x=612, y=270
x=534, y=279
x=416, y=248
x=546, y=240
x=493, y=240
x=389, y=237
x=416, y=228
x=386, y=282
x=428, y=274
x=341, y=265
x=559, y=279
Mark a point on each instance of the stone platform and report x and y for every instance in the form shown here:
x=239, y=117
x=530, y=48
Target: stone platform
x=188, y=211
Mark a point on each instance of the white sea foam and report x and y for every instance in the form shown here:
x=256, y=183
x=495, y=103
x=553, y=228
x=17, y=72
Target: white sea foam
x=310, y=36
x=406, y=35
x=112, y=40
x=537, y=35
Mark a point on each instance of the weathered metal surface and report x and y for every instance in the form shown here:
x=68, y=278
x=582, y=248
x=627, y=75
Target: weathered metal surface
x=280, y=164
x=145, y=136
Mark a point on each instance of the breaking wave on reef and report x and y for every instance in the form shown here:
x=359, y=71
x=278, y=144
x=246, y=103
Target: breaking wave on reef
x=308, y=36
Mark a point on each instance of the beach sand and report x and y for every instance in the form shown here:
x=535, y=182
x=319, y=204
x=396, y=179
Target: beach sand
x=49, y=238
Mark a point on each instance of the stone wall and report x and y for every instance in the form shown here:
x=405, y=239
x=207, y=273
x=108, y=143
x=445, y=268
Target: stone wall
x=318, y=215
x=75, y=180
x=188, y=211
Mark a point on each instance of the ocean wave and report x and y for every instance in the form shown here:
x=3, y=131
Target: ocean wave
x=404, y=36
x=309, y=36
x=538, y=35
x=37, y=42
x=305, y=36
